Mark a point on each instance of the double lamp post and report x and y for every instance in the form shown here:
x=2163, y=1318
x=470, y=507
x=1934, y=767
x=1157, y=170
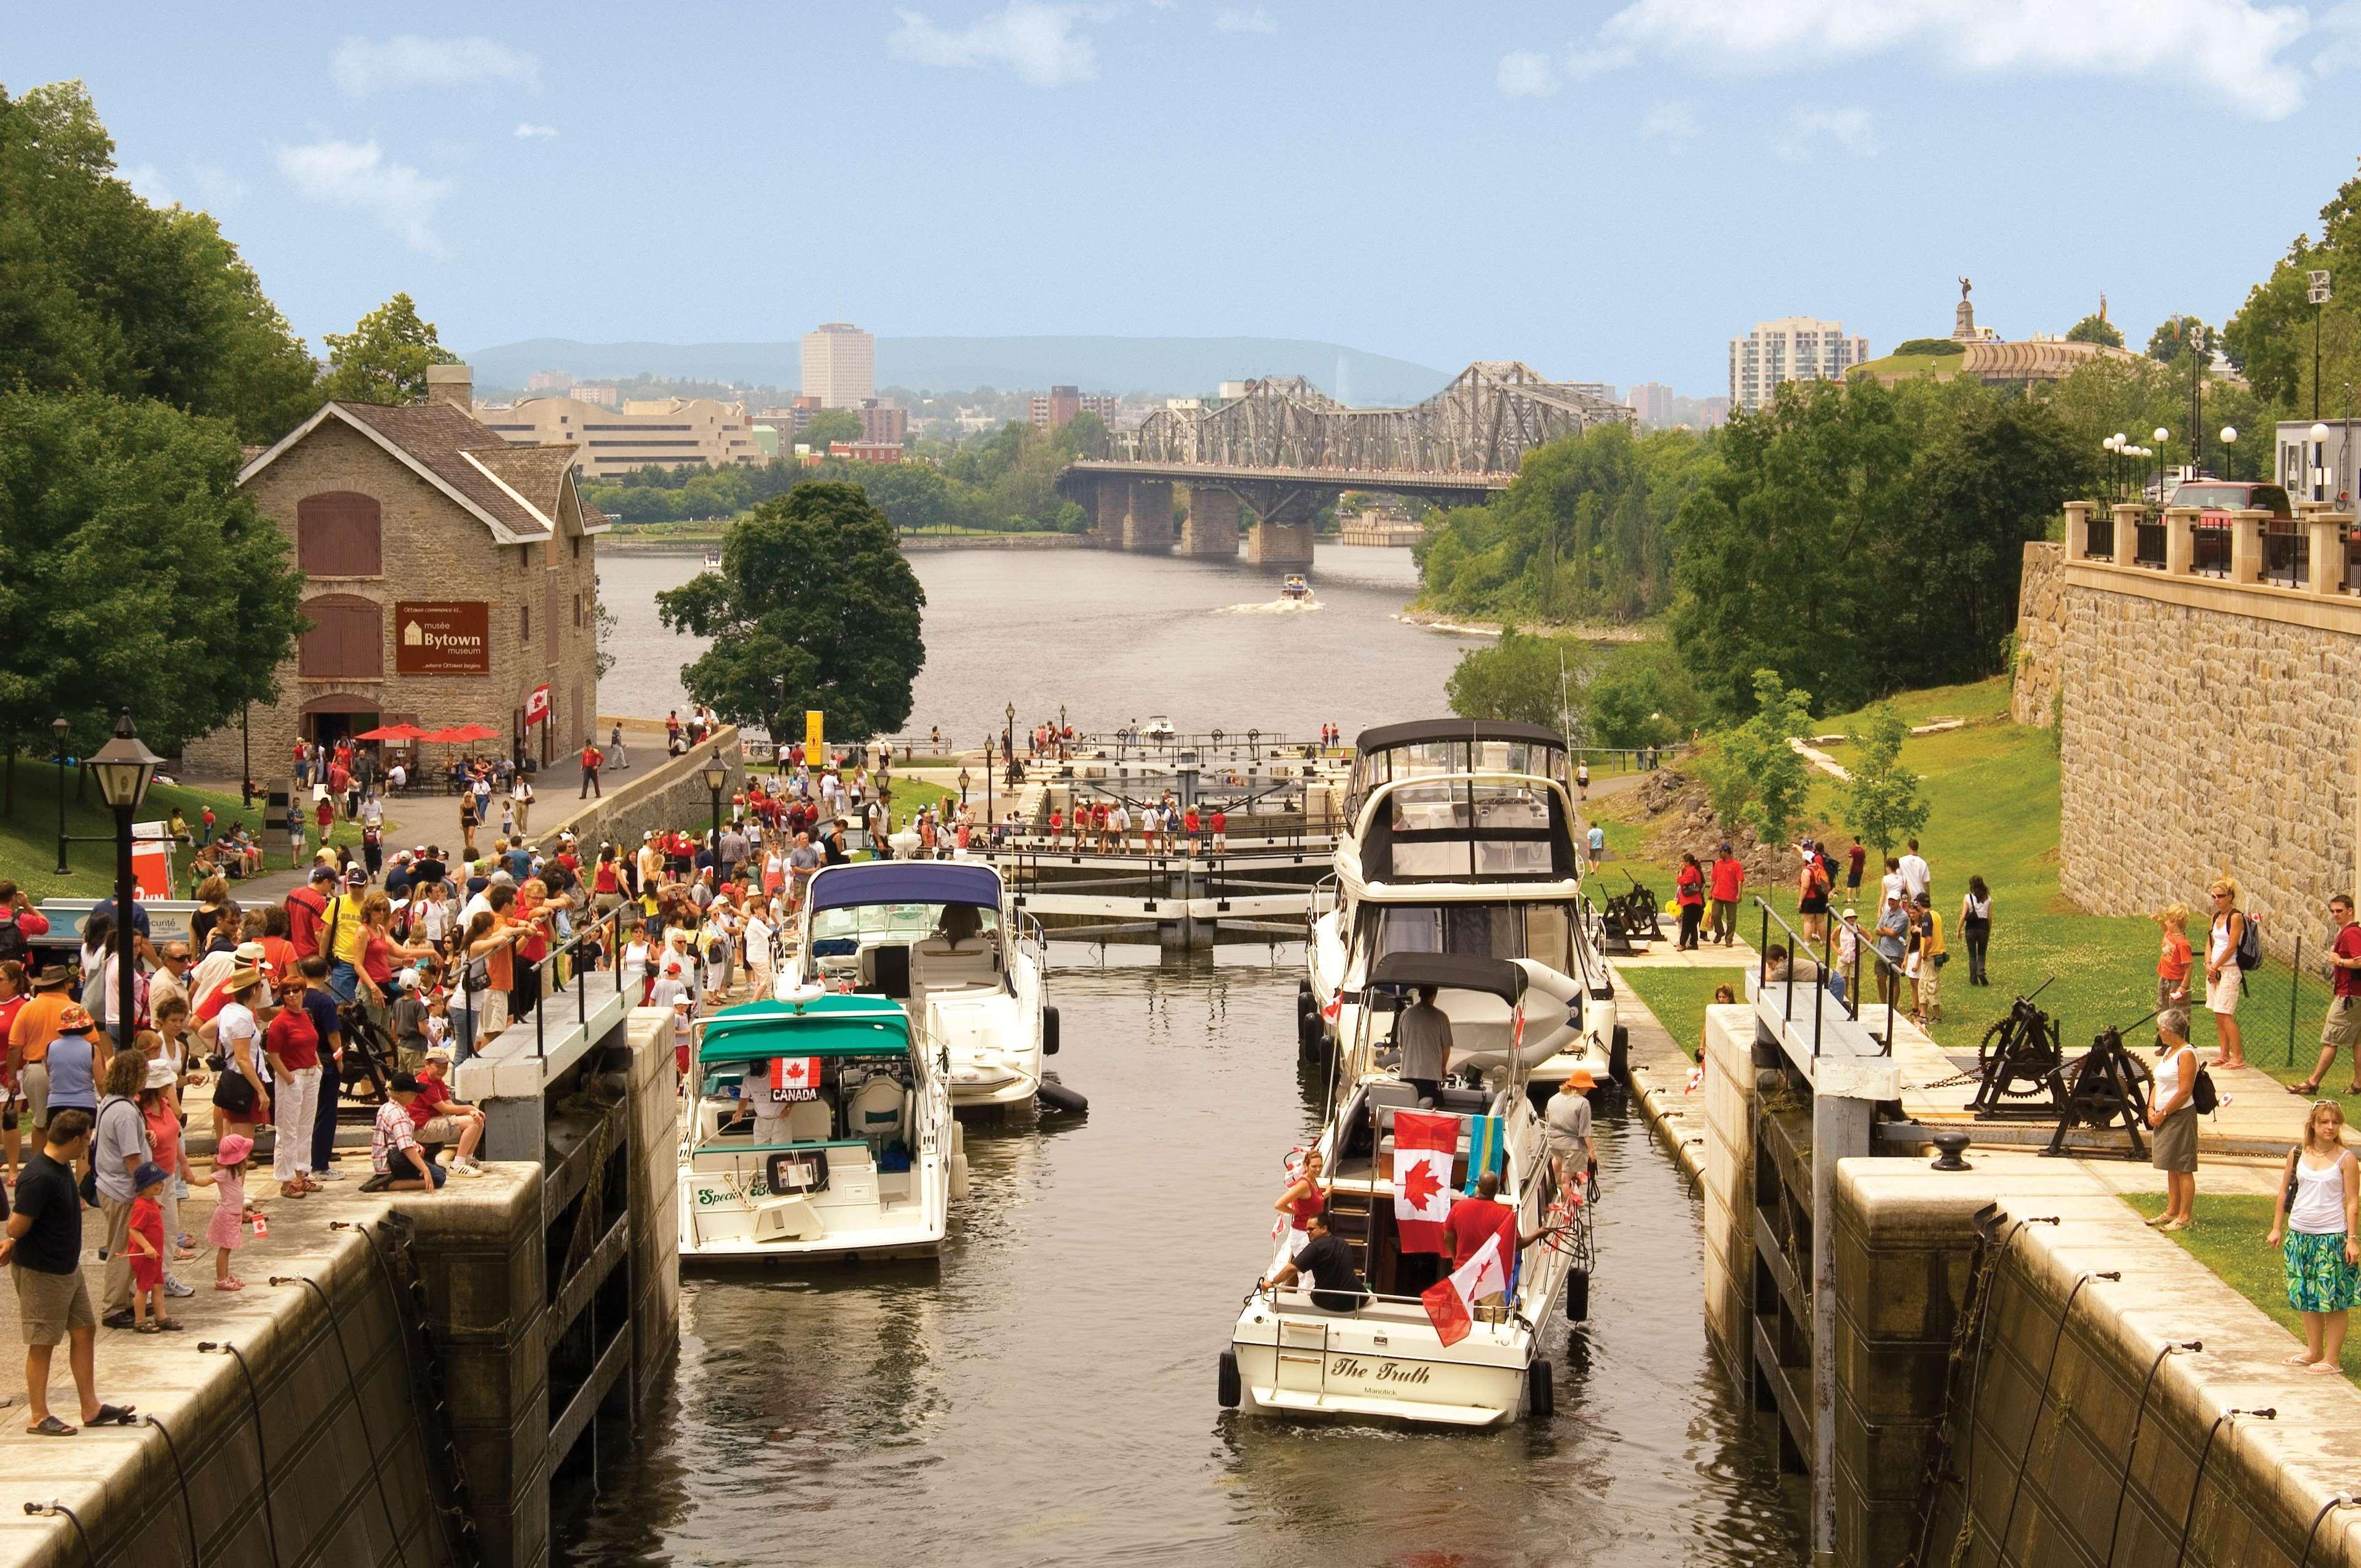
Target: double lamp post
x=124, y=768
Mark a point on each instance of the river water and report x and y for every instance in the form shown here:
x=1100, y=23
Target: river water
x=1115, y=638
x=1045, y=1395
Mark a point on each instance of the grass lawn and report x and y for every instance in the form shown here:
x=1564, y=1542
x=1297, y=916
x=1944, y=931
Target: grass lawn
x=1992, y=787
x=29, y=838
x=911, y=795
x=1678, y=997
x=2228, y=1239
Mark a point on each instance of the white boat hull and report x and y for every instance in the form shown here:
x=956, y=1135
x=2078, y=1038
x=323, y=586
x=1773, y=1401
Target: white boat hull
x=719, y=1220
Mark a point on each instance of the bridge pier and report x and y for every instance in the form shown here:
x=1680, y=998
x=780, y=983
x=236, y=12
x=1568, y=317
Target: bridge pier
x=1148, y=524
x=1211, y=528
x=1272, y=543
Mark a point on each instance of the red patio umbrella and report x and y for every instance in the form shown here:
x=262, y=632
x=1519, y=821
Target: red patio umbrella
x=392, y=732
x=460, y=735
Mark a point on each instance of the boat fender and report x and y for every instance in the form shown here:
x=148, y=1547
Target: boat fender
x=1049, y=1031
x=958, y=1177
x=1618, y=1055
x=1541, y=1042
x=1542, y=1384
x=1577, y=1296
x=1058, y=1096
x=1229, y=1390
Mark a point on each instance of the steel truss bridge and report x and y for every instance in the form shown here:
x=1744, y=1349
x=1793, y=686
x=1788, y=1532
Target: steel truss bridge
x=1285, y=448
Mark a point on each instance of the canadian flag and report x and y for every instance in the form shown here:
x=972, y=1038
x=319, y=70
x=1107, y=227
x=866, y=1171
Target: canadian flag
x=793, y=1079
x=536, y=707
x=1451, y=1301
x=1424, y=1146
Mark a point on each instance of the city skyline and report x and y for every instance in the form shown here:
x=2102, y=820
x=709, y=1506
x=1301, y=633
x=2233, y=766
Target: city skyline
x=349, y=164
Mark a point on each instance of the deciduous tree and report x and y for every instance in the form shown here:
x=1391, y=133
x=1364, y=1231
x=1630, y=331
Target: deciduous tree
x=1757, y=777
x=814, y=608
x=384, y=359
x=1881, y=800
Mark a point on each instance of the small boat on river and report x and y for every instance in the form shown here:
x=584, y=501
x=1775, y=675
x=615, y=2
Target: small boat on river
x=943, y=941
x=1387, y=1354
x=819, y=1127
x=1297, y=586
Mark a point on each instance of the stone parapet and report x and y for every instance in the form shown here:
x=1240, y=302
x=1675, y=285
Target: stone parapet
x=671, y=795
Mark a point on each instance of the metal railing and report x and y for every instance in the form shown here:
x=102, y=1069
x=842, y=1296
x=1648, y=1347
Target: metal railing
x=611, y=951
x=1849, y=1004
x=2148, y=549
x=2287, y=557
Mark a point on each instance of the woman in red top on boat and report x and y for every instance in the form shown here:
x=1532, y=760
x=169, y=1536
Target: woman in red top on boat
x=1301, y=1199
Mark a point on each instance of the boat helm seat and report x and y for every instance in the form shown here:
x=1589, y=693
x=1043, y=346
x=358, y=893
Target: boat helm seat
x=874, y=1112
x=811, y=1120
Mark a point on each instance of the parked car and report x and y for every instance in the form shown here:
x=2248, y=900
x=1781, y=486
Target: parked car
x=2225, y=496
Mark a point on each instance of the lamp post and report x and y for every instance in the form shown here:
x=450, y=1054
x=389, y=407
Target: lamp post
x=58, y=730
x=1008, y=740
x=2196, y=378
x=123, y=767
x=717, y=778
x=2317, y=478
x=2113, y=446
x=2229, y=435
x=2162, y=435
x=991, y=815
x=2316, y=292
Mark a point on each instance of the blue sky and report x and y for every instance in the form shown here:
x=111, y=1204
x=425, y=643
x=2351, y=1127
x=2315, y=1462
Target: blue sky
x=1607, y=190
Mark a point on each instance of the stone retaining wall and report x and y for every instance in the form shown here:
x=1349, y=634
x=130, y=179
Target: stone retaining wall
x=2041, y=628
x=658, y=800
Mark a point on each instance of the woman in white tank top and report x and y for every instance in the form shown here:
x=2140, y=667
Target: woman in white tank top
x=2317, y=1225
x=2225, y=983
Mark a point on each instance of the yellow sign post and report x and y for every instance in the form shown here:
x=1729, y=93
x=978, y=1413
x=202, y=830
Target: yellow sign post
x=813, y=745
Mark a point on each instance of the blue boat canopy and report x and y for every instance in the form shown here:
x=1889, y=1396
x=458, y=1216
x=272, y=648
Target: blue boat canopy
x=832, y=1026
x=904, y=881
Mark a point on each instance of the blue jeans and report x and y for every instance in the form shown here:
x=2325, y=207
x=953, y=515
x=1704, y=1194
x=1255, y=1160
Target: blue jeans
x=344, y=981
x=324, y=1121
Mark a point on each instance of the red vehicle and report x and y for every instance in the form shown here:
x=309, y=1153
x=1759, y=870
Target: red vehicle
x=2219, y=498
x=2216, y=500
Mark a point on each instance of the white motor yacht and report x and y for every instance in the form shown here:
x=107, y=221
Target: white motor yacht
x=941, y=940
x=862, y=1156
x=1386, y=1354
x=1460, y=837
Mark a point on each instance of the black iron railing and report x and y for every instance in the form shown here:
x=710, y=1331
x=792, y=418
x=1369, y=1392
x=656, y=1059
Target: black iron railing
x=1823, y=968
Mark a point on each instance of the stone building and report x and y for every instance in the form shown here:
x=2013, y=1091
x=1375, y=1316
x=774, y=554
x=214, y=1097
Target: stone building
x=2201, y=670
x=669, y=433
x=447, y=574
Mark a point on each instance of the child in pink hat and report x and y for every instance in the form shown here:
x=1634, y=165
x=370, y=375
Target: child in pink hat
x=226, y=1231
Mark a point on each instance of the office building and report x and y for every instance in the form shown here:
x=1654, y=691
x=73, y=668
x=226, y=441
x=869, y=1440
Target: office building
x=1653, y=402
x=839, y=365
x=1793, y=348
x=1056, y=409
x=667, y=431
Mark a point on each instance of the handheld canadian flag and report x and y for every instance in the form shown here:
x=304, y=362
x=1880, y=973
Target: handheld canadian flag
x=1451, y=1301
x=794, y=1078
x=536, y=707
x=1424, y=1146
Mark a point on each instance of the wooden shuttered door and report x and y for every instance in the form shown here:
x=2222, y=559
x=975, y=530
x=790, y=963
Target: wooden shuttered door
x=549, y=622
x=346, y=640
x=337, y=534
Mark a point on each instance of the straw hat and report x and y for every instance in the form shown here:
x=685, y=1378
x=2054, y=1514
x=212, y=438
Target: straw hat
x=239, y=979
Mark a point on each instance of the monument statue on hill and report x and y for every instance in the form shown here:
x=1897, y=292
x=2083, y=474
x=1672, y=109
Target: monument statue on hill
x=1963, y=320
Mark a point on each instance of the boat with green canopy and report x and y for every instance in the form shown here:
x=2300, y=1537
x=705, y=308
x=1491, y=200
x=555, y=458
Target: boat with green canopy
x=819, y=1127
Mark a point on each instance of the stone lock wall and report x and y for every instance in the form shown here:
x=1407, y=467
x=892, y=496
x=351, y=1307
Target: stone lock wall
x=654, y=800
x=2195, y=740
x=2040, y=628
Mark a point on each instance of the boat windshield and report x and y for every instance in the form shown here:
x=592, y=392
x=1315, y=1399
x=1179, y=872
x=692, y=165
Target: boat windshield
x=851, y=926
x=1462, y=828
x=1424, y=759
x=1541, y=931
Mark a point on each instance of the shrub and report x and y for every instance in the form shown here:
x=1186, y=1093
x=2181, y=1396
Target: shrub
x=1931, y=345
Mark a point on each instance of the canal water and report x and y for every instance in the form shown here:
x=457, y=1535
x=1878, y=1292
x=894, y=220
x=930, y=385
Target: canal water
x=1045, y=1395
x=1116, y=638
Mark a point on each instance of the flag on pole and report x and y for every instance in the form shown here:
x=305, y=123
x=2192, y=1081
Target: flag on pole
x=1423, y=1144
x=1488, y=1147
x=1451, y=1301
x=794, y=1078
x=536, y=707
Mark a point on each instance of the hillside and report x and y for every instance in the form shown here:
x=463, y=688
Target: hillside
x=1163, y=366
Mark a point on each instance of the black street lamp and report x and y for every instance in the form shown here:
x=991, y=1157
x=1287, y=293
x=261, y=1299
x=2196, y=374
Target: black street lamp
x=717, y=778
x=123, y=767
x=58, y=729
x=1008, y=740
x=991, y=816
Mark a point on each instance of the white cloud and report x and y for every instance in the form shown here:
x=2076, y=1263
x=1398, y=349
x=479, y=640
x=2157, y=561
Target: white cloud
x=2237, y=49
x=1255, y=21
x=1037, y=41
x=527, y=131
x=216, y=186
x=356, y=177
x=1674, y=124
x=1525, y=74
x=148, y=182
x=2341, y=27
x=1849, y=129
x=363, y=66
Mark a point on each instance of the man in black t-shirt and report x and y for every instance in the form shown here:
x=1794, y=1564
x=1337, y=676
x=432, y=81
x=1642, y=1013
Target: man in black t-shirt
x=1336, y=1284
x=44, y=1246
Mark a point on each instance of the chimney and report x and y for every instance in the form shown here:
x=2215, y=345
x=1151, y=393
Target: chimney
x=451, y=384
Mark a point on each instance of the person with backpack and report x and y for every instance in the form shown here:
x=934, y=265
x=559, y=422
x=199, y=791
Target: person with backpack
x=19, y=923
x=2227, y=950
x=2341, y=1030
x=2172, y=1114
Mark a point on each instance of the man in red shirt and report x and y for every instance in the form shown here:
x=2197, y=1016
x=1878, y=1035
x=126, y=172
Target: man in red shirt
x=2342, y=1027
x=1728, y=882
x=307, y=911
x=591, y=758
x=1475, y=1219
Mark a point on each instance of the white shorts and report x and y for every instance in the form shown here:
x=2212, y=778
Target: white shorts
x=2222, y=993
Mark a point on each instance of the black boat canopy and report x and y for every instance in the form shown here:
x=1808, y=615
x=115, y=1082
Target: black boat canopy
x=1450, y=972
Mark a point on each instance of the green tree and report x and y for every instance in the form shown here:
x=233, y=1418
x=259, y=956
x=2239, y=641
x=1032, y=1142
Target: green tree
x=814, y=608
x=2095, y=328
x=1528, y=679
x=1642, y=696
x=101, y=292
x=829, y=425
x=1881, y=800
x=133, y=572
x=2171, y=339
x=384, y=359
x=1757, y=777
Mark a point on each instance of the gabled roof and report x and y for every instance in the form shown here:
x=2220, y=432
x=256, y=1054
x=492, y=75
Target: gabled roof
x=468, y=463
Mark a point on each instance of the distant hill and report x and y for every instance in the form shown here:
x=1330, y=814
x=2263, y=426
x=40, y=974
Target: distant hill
x=1166, y=365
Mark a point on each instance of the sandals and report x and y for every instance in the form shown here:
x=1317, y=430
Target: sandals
x=2301, y=1092
x=111, y=1416
x=147, y=1327
x=49, y=1426
x=229, y=1284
